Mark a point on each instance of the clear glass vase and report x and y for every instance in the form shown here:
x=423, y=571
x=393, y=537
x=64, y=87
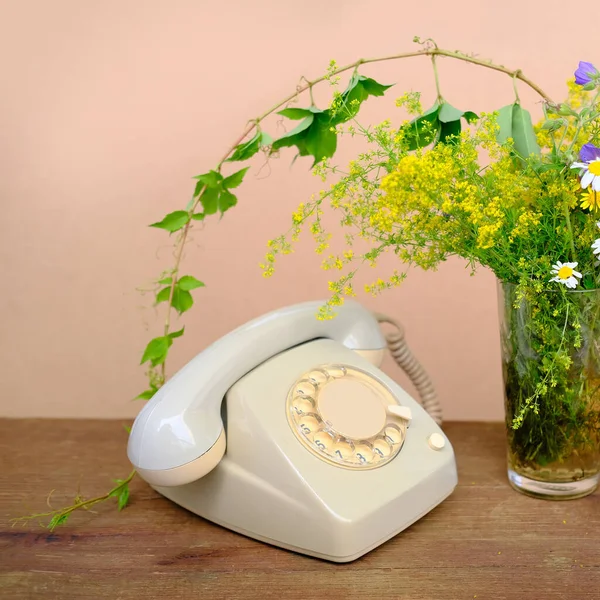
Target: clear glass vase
x=551, y=370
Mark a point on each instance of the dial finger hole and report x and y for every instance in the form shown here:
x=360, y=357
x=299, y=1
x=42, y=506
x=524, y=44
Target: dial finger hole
x=303, y=406
x=337, y=371
x=323, y=440
x=343, y=449
x=309, y=424
x=304, y=389
x=364, y=453
x=317, y=377
x=392, y=434
x=382, y=448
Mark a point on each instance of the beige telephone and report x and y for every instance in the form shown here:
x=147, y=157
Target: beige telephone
x=286, y=430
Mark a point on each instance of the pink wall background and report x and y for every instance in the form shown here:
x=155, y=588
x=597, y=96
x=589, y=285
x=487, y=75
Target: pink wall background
x=109, y=108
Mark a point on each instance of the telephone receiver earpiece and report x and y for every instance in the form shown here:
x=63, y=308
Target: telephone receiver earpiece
x=179, y=436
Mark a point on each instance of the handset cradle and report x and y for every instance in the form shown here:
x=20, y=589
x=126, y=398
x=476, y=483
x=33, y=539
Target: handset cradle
x=179, y=436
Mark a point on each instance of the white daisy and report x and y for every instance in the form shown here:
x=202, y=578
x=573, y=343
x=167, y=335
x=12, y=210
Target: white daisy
x=565, y=273
x=596, y=244
x=589, y=168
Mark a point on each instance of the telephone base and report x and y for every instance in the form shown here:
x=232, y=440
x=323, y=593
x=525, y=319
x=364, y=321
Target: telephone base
x=308, y=551
x=270, y=487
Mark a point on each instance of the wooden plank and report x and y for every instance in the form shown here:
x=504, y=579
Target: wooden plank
x=486, y=541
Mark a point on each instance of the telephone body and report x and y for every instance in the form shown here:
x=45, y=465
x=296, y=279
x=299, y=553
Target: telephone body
x=285, y=430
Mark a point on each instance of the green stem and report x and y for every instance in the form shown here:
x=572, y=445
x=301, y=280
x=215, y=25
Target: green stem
x=570, y=228
x=440, y=99
x=581, y=123
x=514, y=80
x=77, y=505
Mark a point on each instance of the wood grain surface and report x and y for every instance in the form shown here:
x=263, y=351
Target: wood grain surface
x=486, y=541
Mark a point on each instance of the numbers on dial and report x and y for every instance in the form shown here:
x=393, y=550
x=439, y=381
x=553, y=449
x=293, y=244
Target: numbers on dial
x=309, y=425
x=323, y=440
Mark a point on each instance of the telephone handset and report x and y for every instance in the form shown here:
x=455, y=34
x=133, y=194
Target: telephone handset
x=315, y=431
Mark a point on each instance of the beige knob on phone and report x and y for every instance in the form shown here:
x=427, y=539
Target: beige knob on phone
x=436, y=441
x=395, y=410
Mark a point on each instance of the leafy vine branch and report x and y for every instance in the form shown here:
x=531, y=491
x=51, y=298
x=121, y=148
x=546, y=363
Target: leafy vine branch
x=315, y=136
x=245, y=151
x=59, y=516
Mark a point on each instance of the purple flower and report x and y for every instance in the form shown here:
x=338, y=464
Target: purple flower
x=585, y=73
x=589, y=152
x=589, y=168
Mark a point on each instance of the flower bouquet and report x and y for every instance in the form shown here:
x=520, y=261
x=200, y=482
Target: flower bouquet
x=520, y=200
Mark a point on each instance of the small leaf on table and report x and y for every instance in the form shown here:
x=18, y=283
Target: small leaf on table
x=123, y=498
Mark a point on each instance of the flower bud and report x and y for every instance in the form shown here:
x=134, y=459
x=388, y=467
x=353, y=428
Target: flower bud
x=553, y=124
x=566, y=111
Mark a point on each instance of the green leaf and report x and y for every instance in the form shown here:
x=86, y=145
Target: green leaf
x=123, y=497
x=182, y=301
x=57, y=520
x=226, y=201
x=163, y=295
x=298, y=113
x=247, y=149
x=470, y=117
x=449, y=131
x=448, y=113
x=374, y=88
x=522, y=132
x=176, y=334
x=189, y=282
x=198, y=216
x=211, y=180
x=157, y=349
x=145, y=395
x=423, y=130
x=173, y=221
x=166, y=281
x=321, y=142
x=210, y=201
x=251, y=147
x=127, y=428
x=235, y=180
x=292, y=137
x=504, y=122
x=313, y=136
x=358, y=90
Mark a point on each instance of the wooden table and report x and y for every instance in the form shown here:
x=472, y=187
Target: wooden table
x=486, y=541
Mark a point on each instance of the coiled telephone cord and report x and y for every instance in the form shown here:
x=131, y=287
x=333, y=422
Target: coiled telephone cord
x=405, y=359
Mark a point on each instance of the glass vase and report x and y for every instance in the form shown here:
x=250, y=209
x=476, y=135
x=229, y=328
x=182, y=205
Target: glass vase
x=551, y=372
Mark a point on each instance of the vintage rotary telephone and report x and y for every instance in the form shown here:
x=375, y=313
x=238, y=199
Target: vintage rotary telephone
x=325, y=454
